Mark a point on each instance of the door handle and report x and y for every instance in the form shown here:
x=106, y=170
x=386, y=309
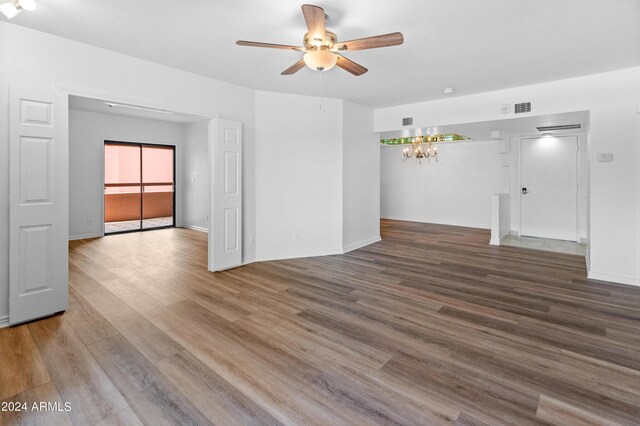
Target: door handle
x=525, y=191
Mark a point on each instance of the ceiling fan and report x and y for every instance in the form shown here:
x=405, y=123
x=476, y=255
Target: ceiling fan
x=322, y=48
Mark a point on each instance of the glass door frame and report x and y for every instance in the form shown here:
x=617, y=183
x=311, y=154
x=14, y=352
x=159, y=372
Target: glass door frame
x=104, y=184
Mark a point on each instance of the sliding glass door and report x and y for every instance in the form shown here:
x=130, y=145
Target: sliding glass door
x=139, y=187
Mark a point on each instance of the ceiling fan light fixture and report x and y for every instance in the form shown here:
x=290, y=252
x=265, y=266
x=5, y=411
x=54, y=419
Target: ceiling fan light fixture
x=320, y=60
x=9, y=10
x=29, y=5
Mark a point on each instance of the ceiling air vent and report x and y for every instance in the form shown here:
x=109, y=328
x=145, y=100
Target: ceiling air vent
x=559, y=127
x=522, y=107
x=407, y=121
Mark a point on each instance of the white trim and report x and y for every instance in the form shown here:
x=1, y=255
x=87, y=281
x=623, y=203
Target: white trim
x=84, y=237
x=4, y=321
x=620, y=279
x=119, y=98
x=195, y=228
x=355, y=246
x=504, y=234
x=419, y=220
x=294, y=255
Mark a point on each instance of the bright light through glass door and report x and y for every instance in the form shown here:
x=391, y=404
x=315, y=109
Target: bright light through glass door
x=157, y=186
x=122, y=188
x=139, y=187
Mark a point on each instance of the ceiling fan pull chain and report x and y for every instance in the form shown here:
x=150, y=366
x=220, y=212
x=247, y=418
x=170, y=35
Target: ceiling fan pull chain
x=321, y=88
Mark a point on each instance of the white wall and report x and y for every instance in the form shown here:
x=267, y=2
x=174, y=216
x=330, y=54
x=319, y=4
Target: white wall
x=4, y=183
x=298, y=175
x=500, y=217
x=34, y=59
x=87, y=133
x=454, y=190
x=613, y=100
x=196, y=177
x=360, y=178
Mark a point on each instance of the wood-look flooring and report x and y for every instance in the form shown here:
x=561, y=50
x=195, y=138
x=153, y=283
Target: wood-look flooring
x=429, y=326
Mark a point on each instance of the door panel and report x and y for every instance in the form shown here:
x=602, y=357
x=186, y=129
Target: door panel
x=38, y=204
x=225, y=226
x=549, y=188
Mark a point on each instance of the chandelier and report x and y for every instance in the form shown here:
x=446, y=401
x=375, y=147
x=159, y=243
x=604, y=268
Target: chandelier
x=421, y=145
x=420, y=148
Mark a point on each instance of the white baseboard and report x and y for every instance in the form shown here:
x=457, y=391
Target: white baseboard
x=196, y=228
x=421, y=220
x=355, y=246
x=619, y=279
x=295, y=255
x=4, y=321
x=84, y=237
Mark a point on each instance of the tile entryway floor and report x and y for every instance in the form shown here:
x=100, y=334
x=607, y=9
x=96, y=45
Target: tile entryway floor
x=132, y=225
x=558, y=246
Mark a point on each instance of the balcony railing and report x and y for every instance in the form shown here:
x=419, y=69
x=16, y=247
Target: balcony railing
x=132, y=205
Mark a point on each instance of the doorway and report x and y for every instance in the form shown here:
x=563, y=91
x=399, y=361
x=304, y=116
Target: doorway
x=549, y=185
x=139, y=187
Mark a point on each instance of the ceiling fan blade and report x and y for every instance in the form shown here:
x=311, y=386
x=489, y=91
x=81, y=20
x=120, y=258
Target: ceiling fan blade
x=294, y=68
x=269, y=45
x=385, y=40
x=348, y=65
x=314, y=18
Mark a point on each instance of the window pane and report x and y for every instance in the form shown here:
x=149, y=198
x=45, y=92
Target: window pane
x=157, y=165
x=122, y=193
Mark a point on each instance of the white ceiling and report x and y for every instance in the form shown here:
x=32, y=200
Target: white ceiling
x=100, y=106
x=472, y=45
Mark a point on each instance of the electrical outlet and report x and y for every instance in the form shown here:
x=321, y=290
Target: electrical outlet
x=89, y=221
x=296, y=236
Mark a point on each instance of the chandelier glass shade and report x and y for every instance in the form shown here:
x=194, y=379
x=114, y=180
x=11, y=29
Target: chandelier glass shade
x=11, y=8
x=320, y=59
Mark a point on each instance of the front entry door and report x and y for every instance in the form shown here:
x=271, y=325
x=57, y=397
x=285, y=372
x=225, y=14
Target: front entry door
x=38, y=204
x=549, y=187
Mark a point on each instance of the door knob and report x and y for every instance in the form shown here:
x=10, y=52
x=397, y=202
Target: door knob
x=525, y=191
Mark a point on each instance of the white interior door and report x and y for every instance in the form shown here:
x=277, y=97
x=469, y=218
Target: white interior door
x=225, y=223
x=549, y=187
x=38, y=204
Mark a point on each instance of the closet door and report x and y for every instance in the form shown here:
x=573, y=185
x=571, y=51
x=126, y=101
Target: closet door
x=38, y=204
x=225, y=227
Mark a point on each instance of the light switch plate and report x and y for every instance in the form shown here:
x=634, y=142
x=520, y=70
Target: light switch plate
x=605, y=157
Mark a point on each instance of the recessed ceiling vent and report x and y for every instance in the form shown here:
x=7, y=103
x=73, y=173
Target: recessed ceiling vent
x=408, y=121
x=559, y=127
x=522, y=107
